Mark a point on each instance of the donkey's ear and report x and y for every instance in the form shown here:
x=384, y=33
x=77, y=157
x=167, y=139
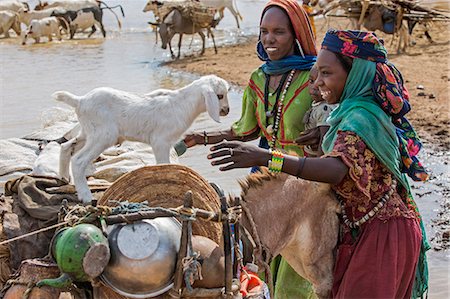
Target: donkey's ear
x=212, y=103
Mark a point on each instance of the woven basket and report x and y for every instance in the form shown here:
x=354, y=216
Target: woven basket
x=202, y=17
x=165, y=186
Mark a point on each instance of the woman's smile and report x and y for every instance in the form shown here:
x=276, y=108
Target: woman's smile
x=326, y=94
x=271, y=49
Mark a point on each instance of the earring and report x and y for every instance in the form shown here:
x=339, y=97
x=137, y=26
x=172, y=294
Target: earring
x=300, y=48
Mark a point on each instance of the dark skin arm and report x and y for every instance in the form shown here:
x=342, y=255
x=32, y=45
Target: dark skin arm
x=327, y=170
x=216, y=137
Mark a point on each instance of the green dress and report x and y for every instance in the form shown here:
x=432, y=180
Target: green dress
x=296, y=102
x=288, y=284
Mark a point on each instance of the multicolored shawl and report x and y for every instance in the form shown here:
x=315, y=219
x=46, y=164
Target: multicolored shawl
x=374, y=86
x=303, y=33
x=388, y=89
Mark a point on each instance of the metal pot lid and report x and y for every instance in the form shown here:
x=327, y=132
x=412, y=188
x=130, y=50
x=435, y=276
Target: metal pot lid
x=143, y=257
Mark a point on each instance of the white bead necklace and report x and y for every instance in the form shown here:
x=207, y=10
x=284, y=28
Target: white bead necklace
x=274, y=129
x=371, y=213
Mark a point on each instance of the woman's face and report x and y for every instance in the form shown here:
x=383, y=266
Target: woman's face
x=331, y=76
x=276, y=34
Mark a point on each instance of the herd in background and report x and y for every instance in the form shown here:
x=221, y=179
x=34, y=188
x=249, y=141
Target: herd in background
x=58, y=17
x=395, y=17
x=51, y=19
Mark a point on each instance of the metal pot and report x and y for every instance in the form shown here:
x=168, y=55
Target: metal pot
x=143, y=257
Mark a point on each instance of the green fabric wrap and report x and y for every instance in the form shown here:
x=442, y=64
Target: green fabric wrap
x=358, y=112
x=297, y=101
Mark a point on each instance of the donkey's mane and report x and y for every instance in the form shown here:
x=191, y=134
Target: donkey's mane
x=256, y=180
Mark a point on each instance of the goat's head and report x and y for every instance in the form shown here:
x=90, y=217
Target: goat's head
x=215, y=92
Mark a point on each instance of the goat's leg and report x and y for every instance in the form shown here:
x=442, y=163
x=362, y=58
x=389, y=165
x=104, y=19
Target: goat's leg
x=93, y=31
x=80, y=162
x=162, y=153
x=214, y=42
x=202, y=35
x=68, y=149
x=73, y=29
x=179, y=45
x=170, y=44
x=102, y=28
x=236, y=15
x=403, y=39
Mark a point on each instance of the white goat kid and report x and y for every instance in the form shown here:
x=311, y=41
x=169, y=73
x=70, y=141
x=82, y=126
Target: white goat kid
x=108, y=117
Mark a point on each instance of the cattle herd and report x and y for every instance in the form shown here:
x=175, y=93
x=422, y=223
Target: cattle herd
x=59, y=18
x=52, y=19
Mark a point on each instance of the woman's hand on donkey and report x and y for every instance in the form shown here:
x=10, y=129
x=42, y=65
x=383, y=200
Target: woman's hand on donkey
x=237, y=154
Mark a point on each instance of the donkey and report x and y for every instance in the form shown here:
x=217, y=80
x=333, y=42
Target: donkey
x=175, y=22
x=295, y=218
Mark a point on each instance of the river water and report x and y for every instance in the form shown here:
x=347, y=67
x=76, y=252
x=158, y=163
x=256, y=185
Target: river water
x=129, y=59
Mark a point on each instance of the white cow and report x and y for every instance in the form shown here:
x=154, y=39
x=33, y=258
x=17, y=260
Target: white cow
x=43, y=27
x=68, y=4
x=9, y=20
x=13, y=5
x=219, y=5
x=28, y=15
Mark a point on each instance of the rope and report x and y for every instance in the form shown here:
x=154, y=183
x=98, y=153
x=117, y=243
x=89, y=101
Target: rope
x=264, y=261
x=192, y=270
x=27, y=292
x=78, y=214
x=33, y=233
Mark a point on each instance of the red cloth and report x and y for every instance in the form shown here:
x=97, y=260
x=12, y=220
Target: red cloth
x=380, y=262
x=300, y=22
x=390, y=251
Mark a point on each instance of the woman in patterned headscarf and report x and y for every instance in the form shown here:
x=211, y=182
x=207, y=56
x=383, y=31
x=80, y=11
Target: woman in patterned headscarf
x=276, y=90
x=369, y=149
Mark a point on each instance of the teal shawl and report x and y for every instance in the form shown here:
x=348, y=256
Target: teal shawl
x=359, y=112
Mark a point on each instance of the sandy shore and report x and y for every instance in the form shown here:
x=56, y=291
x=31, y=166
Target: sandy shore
x=423, y=65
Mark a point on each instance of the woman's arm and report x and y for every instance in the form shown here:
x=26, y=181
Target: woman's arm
x=216, y=137
x=240, y=155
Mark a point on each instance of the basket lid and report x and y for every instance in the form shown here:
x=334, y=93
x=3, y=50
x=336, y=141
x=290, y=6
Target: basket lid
x=165, y=185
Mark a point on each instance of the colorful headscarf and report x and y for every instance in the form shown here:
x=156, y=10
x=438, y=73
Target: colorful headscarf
x=388, y=89
x=304, y=35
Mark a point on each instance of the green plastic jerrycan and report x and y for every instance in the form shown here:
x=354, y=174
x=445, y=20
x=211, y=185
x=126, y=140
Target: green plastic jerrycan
x=81, y=252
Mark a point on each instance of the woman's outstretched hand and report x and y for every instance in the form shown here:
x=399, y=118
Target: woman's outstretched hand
x=237, y=154
x=193, y=139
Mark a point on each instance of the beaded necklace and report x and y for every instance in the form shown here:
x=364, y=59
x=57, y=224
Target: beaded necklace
x=371, y=213
x=274, y=129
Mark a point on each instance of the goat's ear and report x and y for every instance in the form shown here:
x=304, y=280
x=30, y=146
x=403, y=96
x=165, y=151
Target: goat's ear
x=212, y=103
